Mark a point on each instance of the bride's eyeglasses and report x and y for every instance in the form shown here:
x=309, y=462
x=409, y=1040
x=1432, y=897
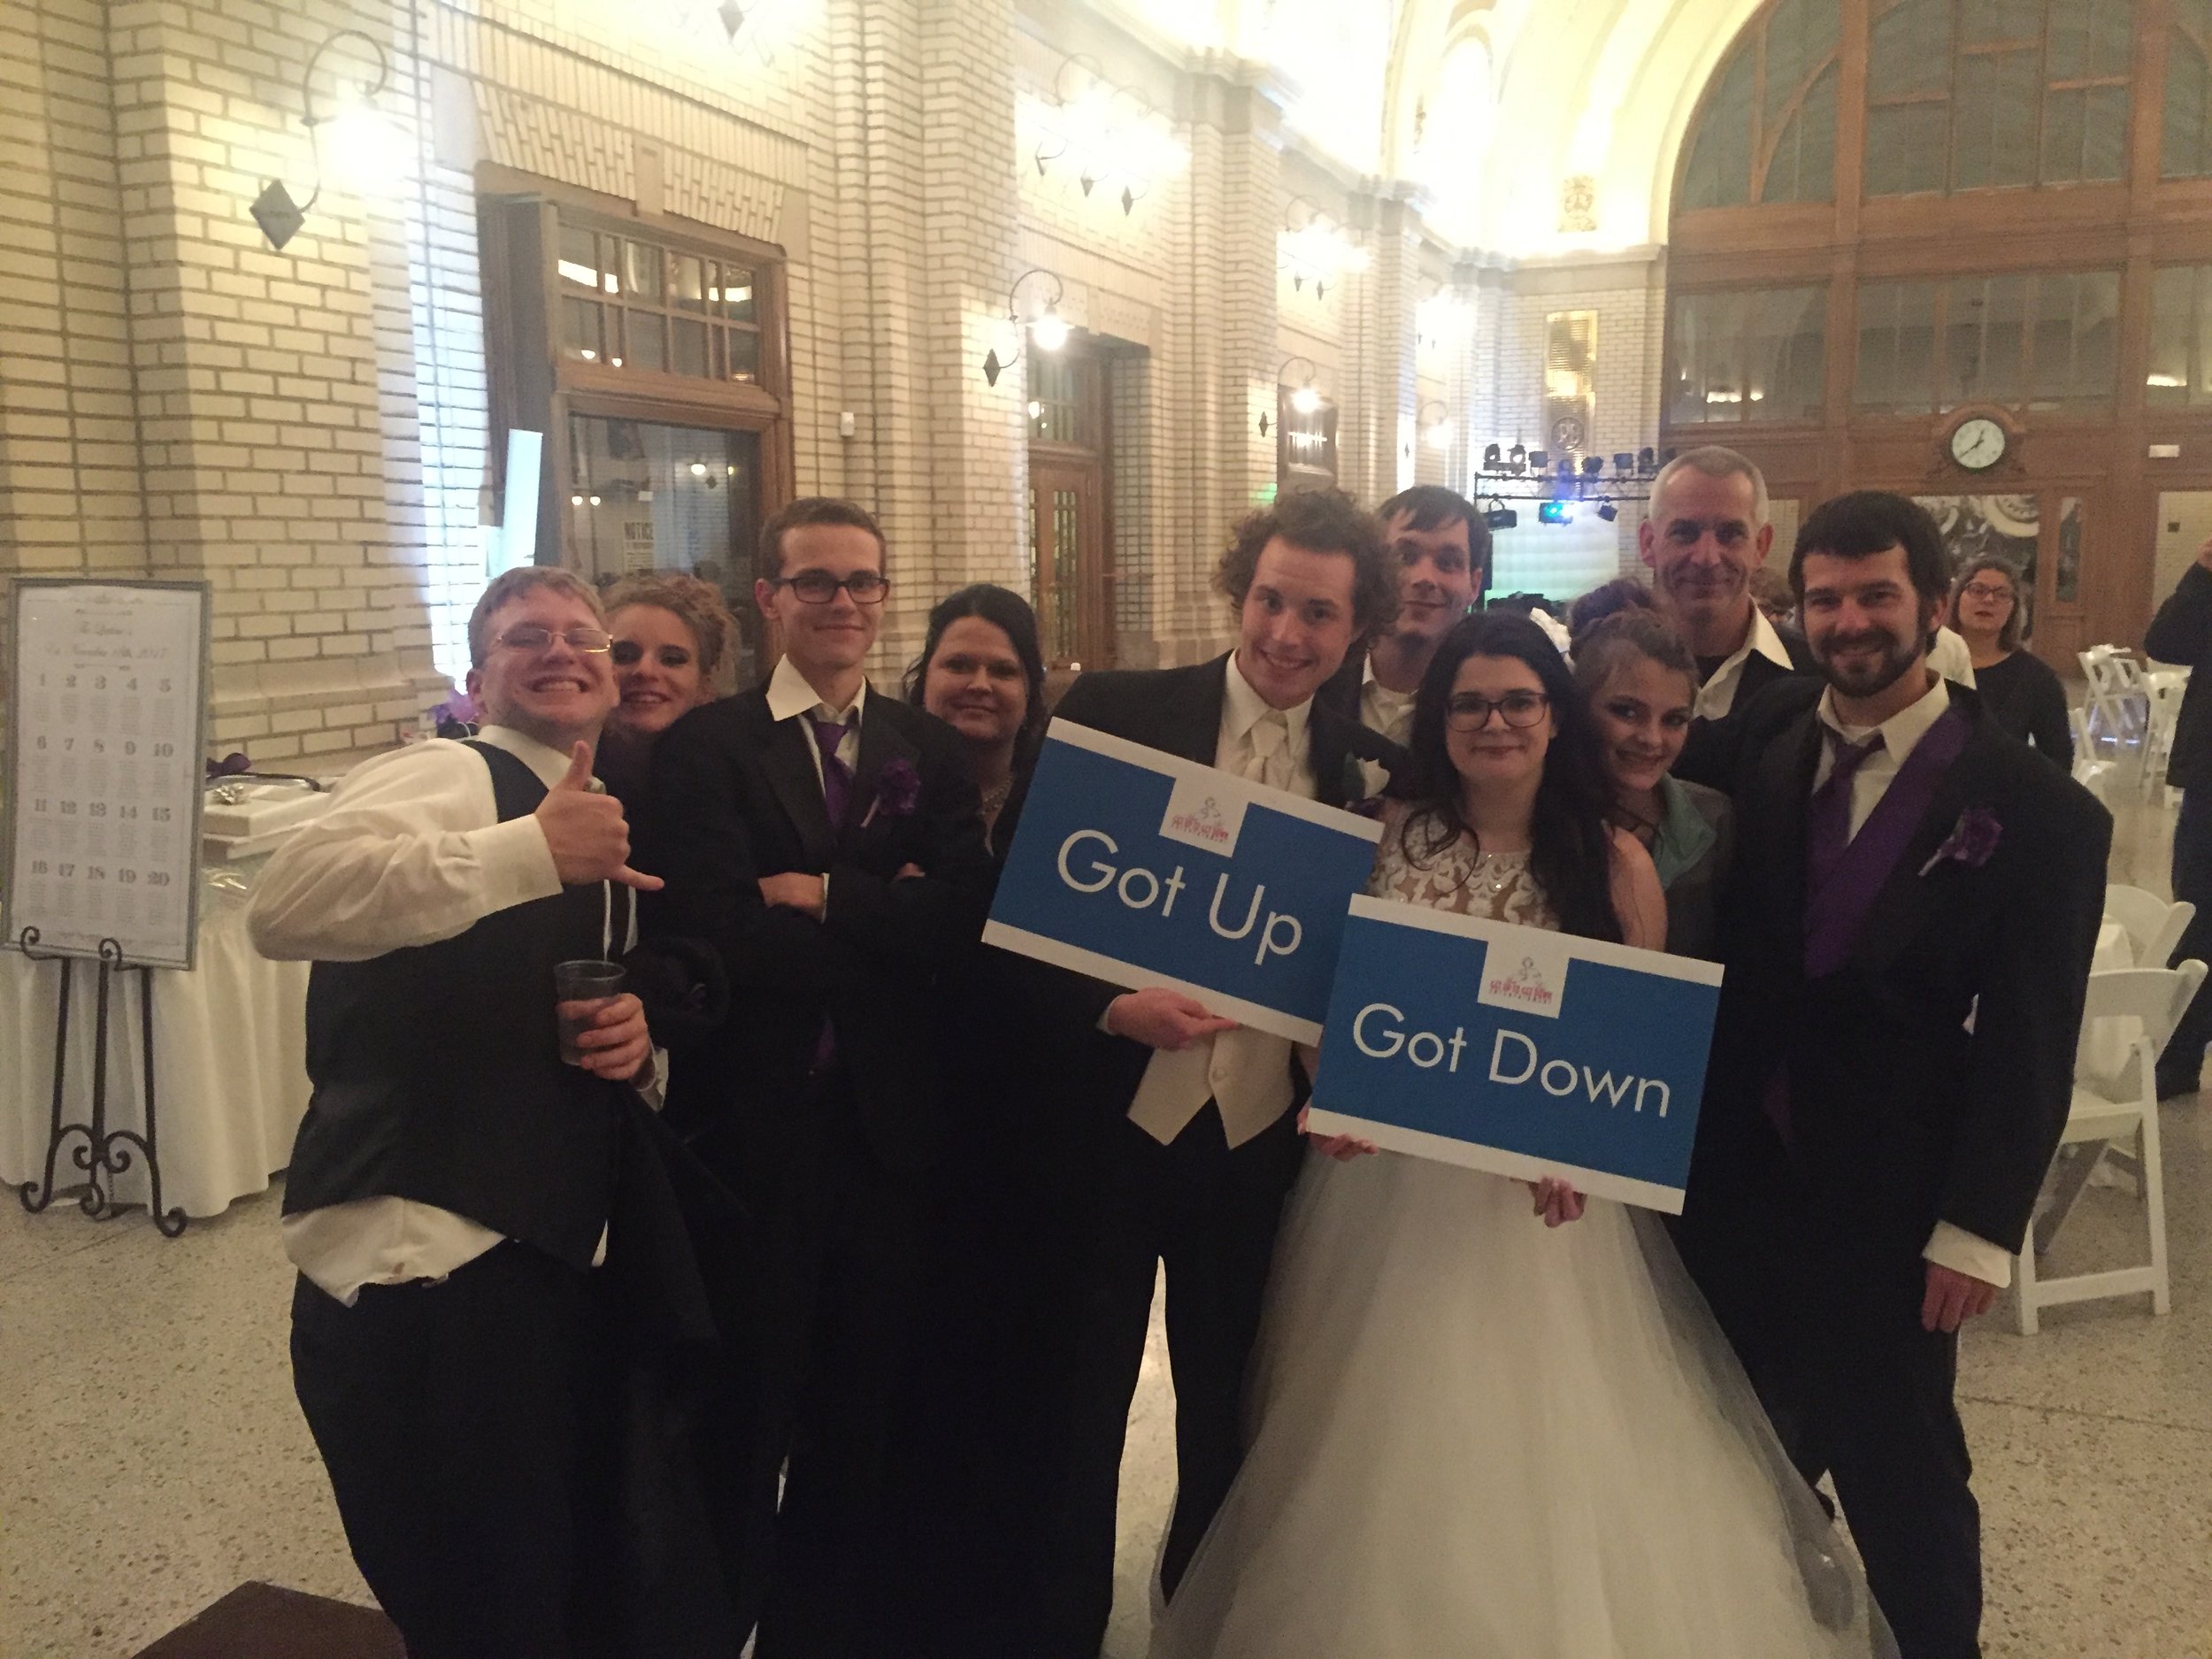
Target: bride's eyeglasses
x=1465, y=711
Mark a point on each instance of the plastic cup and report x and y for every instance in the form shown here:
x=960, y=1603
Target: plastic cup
x=589, y=983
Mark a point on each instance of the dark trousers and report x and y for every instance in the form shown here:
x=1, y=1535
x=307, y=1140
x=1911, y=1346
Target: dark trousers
x=466, y=1432
x=1857, y=1390
x=2183, y=1059
x=843, y=1270
x=1210, y=1214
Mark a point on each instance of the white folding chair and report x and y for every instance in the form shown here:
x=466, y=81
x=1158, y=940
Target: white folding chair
x=2089, y=772
x=2105, y=1111
x=2107, y=692
x=2154, y=926
x=2162, y=690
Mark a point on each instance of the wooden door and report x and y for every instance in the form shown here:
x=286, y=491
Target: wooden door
x=1067, y=563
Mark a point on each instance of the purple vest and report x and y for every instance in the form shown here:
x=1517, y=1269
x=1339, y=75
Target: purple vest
x=1837, y=901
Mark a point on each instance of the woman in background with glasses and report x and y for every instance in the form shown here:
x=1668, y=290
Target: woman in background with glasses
x=1476, y=1429
x=671, y=633
x=2019, y=687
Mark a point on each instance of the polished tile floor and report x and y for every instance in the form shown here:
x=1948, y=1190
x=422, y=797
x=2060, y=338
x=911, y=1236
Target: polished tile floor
x=151, y=1456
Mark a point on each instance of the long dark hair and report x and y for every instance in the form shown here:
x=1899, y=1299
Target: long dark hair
x=1570, y=850
x=1008, y=612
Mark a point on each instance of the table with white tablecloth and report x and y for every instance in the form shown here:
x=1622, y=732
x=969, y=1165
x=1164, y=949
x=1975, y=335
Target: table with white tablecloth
x=230, y=1062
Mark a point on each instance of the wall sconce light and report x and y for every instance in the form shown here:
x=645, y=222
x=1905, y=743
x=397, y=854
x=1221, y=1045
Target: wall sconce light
x=1436, y=424
x=1105, y=132
x=1315, y=245
x=1441, y=319
x=360, y=132
x=1305, y=397
x=1047, y=330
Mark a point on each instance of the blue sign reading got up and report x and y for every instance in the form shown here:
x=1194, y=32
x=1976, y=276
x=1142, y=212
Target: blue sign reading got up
x=1517, y=1050
x=1144, y=869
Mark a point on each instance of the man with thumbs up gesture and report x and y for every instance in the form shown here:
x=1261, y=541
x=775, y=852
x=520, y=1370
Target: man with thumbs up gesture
x=449, y=1193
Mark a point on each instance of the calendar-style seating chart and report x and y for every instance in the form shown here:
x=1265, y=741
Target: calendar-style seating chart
x=105, y=728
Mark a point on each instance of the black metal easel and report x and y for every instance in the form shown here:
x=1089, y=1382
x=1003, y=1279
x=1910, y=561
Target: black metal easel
x=106, y=1153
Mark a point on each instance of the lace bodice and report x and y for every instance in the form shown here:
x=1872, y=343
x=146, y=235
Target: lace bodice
x=1457, y=878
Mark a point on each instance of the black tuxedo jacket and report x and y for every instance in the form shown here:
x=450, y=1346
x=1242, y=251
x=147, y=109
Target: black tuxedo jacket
x=1901, y=1116
x=1340, y=692
x=1707, y=753
x=2182, y=633
x=1178, y=711
x=734, y=796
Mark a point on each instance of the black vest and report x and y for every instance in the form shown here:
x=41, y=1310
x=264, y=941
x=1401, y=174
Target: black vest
x=437, y=1071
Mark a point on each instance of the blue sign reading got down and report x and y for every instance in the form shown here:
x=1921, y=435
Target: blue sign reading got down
x=1517, y=1050
x=1143, y=869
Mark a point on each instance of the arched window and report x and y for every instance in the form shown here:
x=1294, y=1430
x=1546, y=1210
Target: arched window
x=1974, y=94
x=1768, y=130
x=2185, y=149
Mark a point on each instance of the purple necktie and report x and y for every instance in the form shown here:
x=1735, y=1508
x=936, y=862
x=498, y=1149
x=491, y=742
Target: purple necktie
x=837, y=789
x=1827, y=838
x=837, y=776
x=1828, y=818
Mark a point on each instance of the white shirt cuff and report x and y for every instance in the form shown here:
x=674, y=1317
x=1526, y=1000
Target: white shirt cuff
x=1964, y=1252
x=517, y=864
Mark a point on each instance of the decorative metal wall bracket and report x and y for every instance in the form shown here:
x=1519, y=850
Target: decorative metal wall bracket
x=278, y=216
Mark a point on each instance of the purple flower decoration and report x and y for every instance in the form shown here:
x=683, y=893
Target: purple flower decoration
x=1972, y=839
x=898, y=792
x=459, y=709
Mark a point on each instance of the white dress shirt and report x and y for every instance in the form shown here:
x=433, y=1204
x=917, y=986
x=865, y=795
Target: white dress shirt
x=1949, y=1246
x=1386, y=711
x=1245, y=1072
x=1948, y=656
x=1717, y=695
x=411, y=851
x=790, y=696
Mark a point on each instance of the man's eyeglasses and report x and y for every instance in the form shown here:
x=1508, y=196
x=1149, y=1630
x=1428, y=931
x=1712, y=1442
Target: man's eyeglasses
x=819, y=588
x=530, y=637
x=629, y=654
x=1465, y=711
x=1979, y=590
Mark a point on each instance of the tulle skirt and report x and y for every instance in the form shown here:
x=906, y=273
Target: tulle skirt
x=1479, y=1437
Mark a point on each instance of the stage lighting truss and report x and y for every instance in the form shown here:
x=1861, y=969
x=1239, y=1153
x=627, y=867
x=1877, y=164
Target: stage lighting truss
x=1564, y=487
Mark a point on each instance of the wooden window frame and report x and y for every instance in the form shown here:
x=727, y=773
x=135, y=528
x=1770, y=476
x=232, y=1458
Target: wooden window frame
x=1949, y=97
x=534, y=385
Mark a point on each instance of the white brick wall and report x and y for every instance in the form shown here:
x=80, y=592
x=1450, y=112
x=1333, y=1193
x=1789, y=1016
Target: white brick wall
x=307, y=429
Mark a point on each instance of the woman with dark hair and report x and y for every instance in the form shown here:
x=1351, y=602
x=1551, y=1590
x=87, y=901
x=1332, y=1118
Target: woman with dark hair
x=1472, y=1434
x=1990, y=612
x=994, y=1362
x=1639, y=682
x=982, y=671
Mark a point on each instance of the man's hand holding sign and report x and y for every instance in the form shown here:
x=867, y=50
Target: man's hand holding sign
x=1217, y=899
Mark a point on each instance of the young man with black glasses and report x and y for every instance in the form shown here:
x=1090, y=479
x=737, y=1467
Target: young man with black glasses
x=826, y=842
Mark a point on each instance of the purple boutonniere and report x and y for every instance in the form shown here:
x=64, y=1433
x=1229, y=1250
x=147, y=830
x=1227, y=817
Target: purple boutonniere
x=1972, y=839
x=898, y=792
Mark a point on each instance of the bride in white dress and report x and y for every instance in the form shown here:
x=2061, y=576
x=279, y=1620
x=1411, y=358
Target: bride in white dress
x=1478, y=1431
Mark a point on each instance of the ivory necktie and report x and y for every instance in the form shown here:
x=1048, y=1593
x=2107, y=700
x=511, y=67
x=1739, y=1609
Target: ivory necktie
x=1267, y=756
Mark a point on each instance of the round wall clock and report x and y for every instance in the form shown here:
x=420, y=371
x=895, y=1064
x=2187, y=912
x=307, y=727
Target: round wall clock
x=1978, y=444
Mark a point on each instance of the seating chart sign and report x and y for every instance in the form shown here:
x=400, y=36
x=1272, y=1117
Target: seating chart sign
x=105, y=729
